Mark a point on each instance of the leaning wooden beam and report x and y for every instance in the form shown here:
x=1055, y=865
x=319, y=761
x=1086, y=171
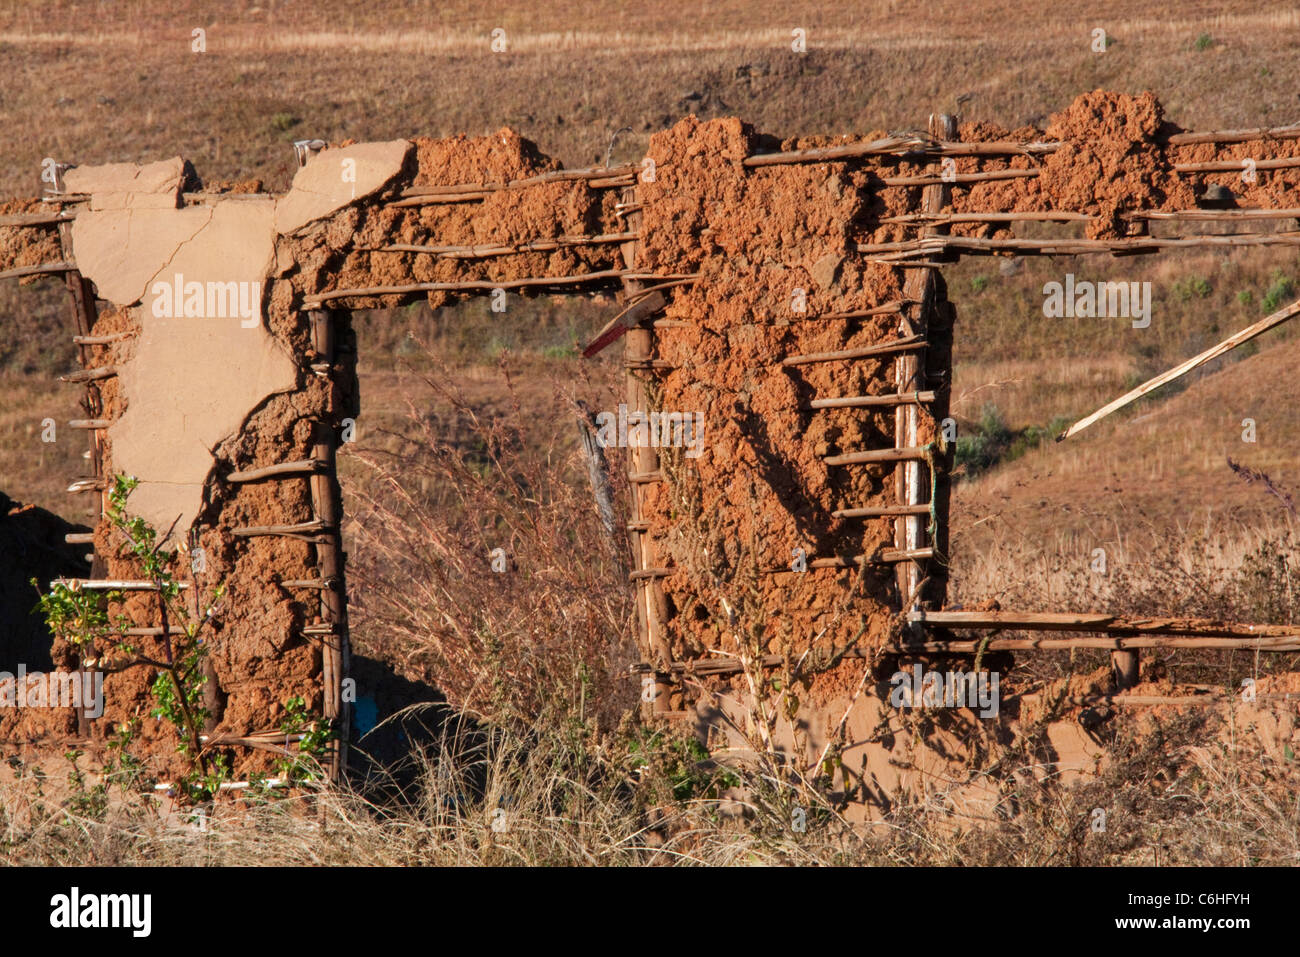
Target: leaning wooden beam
x=1238, y=338
x=905, y=344
x=486, y=285
x=869, y=401
x=304, y=467
x=1103, y=623
x=37, y=270
x=506, y=249
x=903, y=454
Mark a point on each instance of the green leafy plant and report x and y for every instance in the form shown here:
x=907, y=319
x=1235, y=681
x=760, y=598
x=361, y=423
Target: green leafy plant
x=305, y=763
x=81, y=617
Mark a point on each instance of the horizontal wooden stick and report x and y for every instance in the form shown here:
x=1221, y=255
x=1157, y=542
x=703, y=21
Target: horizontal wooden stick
x=905, y=344
x=1245, y=335
x=302, y=583
x=90, y=423
x=87, y=485
x=886, y=557
x=37, y=219
x=90, y=375
x=884, y=309
x=595, y=177
x=37, y=270
x=645, y=478
x=109, y=584
x=936, y=245
x=303, y=467
x=1237, y=136
x=904, y=147
x=880, y=511
x=1189, y=215
x=905, y=454
x=822, y=154
x=486, y=285
x=1215, y=215
x=300, y=528
x=1243, y=634
x=960, y=179
x=1103, y=644
x=1236, y=166
x=868, y=401
x=648, y=573
x=102, y=340
x=505, y=249
x=939, y=219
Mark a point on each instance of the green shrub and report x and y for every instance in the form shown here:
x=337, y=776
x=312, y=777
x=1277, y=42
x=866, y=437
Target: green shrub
x=1280, y=289
x=1204, y=41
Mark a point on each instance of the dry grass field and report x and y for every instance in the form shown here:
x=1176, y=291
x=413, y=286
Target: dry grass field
x=98, y=81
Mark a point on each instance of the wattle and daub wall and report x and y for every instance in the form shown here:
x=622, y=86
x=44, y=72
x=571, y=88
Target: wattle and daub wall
x=218, y=323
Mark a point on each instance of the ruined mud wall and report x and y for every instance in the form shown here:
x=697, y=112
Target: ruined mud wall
x=759, y=262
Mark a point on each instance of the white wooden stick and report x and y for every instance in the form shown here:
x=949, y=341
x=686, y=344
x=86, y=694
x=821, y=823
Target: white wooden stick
x=1245, y=335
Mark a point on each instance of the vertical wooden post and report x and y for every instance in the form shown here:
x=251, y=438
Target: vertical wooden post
x=1124, y=664
x=329, y=554
x=910, y=477
x=651, y=605
x=82, y=301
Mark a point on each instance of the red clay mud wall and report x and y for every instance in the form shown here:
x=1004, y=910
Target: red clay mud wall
x=772, y=252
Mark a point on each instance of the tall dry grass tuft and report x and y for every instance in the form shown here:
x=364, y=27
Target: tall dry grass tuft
x=1192, y=788
x=480, y=563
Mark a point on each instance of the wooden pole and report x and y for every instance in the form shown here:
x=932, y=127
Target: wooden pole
x=82, y=301
x=651, y=604
x=329, y=555
x=910, y=376
x=1098, y=622
x=1164, y=378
